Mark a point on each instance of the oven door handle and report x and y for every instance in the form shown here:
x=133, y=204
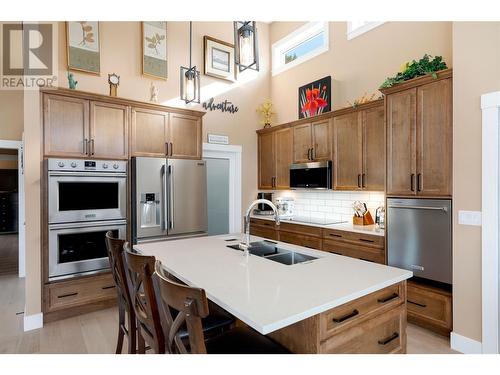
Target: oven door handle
x=87, y=174
x=110, y=223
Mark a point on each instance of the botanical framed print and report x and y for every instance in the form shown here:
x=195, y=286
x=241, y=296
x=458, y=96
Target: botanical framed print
x=315, y=97
x=219, y=59
x=154, y=49
x=83, y=46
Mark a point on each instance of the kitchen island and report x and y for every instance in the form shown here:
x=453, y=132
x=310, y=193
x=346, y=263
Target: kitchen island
x=332, y=304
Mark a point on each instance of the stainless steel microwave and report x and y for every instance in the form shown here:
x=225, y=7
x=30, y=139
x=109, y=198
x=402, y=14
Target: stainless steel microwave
x=316, y=175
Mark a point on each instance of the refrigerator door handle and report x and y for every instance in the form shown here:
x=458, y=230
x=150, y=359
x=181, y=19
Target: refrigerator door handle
x=164, y=217
x=420, y=208
x=171, y=196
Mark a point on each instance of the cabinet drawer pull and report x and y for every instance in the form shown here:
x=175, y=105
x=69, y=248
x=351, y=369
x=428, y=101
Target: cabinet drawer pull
x=67, y=295
x=335, y=235
x=387, y=340
x=359, y=180
x=412, y=182
x=345, y=317
x=108, y=287
x=419, y=182
x=416, y=303
x=389, y=298
x=365, y=240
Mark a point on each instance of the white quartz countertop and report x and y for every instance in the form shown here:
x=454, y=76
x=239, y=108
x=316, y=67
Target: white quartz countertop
x=265, y=294
x=347, y=226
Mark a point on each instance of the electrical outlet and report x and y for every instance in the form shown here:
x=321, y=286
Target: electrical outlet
x=469, y=218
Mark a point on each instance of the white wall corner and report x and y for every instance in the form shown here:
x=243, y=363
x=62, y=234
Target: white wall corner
x=32, y=322
x=465, y=345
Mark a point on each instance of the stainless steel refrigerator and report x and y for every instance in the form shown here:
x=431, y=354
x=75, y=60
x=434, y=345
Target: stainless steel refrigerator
x=169, y=199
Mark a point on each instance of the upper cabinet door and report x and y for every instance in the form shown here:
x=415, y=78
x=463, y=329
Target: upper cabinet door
x=373, y=177
x=347, y=151
x=108, y=130
x=284, y=157
x=401, y=142
x=321, y=145
x=148, y=135
x=302, y=141
x=434, y=138
x=184, y=137
x=66, y=126
x=267, y=160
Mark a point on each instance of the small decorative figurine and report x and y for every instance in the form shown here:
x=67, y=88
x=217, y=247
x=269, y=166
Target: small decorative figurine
x=71, y=81
x=266, y=112
x=153, y=92
x=114, y=81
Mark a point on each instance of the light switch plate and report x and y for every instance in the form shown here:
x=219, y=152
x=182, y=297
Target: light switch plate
x=469, y=218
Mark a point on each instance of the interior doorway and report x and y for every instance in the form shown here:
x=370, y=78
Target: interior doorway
x=223, y=188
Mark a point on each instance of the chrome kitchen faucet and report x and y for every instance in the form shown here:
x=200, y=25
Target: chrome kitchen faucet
x=245, y=246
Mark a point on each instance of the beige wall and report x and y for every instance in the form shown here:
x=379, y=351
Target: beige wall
x=476, y=59
x=121, y=54
x=11, y=115
x=359, y=65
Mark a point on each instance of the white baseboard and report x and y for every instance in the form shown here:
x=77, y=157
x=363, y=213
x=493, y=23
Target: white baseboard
x=465, y=345
x=32, y=322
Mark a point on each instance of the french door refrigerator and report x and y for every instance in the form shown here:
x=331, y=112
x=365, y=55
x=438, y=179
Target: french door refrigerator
x=169, y=199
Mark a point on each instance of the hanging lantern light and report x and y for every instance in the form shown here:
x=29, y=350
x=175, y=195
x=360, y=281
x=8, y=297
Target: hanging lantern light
x=190, y=77
x=246, y=45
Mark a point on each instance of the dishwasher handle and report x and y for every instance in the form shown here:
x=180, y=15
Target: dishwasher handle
x=444, y=209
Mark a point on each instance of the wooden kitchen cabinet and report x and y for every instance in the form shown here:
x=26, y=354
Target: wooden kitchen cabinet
x=419, y=137
x=312, y=141
x=184, y=136
x=65, y=126
x=302, y=139
x=149, y=132
x=283, y=140
x=359, y=148
x=266, y=160
x=347, y=151
x=274, y=158
x=108, y=130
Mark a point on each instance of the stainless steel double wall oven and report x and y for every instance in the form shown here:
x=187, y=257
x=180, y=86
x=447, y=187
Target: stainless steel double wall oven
x=86, y=198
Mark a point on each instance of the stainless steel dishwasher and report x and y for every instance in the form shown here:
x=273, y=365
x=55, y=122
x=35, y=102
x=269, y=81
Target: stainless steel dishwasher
x=419, y=237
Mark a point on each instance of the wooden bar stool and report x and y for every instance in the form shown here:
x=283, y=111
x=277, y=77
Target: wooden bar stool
x=126, y=313
x=140, y=269
x=191, y=306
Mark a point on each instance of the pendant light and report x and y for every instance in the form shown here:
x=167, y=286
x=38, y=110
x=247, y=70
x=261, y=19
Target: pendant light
x=246, y=54
x=190, y=77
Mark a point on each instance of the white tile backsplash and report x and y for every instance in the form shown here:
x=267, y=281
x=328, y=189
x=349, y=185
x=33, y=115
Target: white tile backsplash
x=334, y=205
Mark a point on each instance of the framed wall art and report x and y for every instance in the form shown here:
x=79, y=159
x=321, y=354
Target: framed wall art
x=154, y=49
x=83, y=46
x=315, y=97
x=219, y=59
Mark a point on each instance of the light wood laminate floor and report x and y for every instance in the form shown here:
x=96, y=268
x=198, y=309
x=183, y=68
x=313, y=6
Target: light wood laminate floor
x=96, y=332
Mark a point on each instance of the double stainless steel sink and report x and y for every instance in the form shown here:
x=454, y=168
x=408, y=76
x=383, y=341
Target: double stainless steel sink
x=270, y=250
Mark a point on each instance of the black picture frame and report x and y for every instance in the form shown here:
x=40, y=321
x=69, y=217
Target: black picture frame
x=319, y=97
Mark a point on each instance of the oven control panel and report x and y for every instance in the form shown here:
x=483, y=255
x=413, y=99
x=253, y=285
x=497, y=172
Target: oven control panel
x=80, y=165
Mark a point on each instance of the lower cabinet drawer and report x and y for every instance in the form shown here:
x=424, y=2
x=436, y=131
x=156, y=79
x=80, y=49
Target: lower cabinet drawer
x=383, y=334
x=71, y=293
x=266, y=232
x=349, y=314
x=429, y=307
x=301, y=240
x=372, y=254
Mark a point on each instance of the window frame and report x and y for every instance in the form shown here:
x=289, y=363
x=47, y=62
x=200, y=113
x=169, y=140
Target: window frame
x=360, y=30
x=294, y=39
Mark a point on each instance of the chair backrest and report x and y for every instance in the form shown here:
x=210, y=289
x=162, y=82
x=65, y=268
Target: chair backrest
x=140, y=269
x=117, y=265
x=190, y=305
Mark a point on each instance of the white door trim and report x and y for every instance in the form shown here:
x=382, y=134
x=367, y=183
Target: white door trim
x=233, y=154
x=18, y=145
x=490, y=105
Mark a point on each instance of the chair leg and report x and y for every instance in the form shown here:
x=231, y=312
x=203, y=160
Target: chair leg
x=121, y=334
x=141, y=349
x=132, y=335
